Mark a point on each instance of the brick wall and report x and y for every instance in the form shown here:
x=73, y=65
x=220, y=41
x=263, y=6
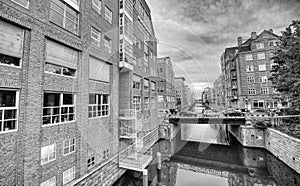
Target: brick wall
x=284, y=147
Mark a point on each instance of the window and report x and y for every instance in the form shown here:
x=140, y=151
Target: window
x=60, y=59
x=264, y=90
x=146, y=85
x=258, y=103
x=137, y=102
x=98, y=105
x=50, y=182
x=11, y=48
x=58, y=108
x=146, y=103
x=263, y=79
x=96, y=37
x=250, y=68
x=48, y=153
x=261, y=55
x=260, y=45
x=91, y=162
x=250, y=79
x=262, y=67
x=24, y=3
x=64, y=16
x=153, y=85
x=108, y=15
x=105, y=154
x=8, y=110
x=99, y=70
x=251, y=91
x=96, y=5
x=68, y=175
x=107, y=44
x=69, y=146
x=136, y=82
x=248, y=57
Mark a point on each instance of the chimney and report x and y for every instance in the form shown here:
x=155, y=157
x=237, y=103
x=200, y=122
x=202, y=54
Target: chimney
x=271, y=30
x=240, y=41
x=253, y=35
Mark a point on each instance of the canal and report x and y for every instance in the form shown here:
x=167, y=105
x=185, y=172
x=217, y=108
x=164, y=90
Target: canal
x=207, y=155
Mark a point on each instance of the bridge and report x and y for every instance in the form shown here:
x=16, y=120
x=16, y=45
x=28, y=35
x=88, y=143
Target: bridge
x=207, y=120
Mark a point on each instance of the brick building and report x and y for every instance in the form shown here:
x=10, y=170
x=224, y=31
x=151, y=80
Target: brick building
x=166, y=84
x=180, y=92
x=247, y=68
x=59, y=89
x=219, y=92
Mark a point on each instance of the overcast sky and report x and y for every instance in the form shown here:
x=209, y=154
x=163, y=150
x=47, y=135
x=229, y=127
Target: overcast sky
x=196, y=32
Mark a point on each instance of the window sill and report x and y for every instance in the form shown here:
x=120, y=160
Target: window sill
x=59, y=75
x=13, y=66
x=51, y=125
x=8, y=131
x=48, y=162
x=98, y=117
x=69, y=153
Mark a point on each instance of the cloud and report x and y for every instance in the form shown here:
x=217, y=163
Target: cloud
x=194, y=33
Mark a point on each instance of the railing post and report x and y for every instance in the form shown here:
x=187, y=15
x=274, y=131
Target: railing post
x=145, y=177
x=158, y=167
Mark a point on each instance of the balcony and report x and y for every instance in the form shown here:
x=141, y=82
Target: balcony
x=126, y=66
x=134, y=158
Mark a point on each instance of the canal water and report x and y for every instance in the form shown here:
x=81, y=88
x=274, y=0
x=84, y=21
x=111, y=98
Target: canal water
x=206, y=155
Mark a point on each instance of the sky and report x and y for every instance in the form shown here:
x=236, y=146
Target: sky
x=194, y=33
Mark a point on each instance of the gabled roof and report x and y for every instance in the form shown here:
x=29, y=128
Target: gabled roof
x=250, y=40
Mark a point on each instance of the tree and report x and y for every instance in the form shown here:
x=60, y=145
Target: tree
x=286, y=72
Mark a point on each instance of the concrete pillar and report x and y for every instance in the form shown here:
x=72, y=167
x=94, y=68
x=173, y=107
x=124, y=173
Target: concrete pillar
x=145, y=177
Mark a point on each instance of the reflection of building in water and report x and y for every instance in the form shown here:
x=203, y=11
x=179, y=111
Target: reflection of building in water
x=169, y=173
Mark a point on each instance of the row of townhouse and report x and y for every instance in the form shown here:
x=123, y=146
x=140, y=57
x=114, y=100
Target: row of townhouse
x=64, y=79
x=246, y=69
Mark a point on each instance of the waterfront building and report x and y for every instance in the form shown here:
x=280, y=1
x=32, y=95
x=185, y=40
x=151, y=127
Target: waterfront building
x=138, y=116
x=166, y=84
x=247, y=68
x=219, y=93
x=180, y=92
x=59, y=89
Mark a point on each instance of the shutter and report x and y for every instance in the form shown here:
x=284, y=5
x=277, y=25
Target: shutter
x=61, y=55
x=136, y=78
x=146, y=82
x=99, y=70
x=11, y=39
x=152, y=86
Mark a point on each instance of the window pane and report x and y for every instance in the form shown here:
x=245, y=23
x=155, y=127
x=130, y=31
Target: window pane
x=71, y=26
x=53, y=68
x=7, y=98
x=10, y=114
x=9, y=125
x=92, y=99
x=105, y=99
x=8, y=60
x=51, y=99
x=66, y=150
x=57, y=18
x=68, y=99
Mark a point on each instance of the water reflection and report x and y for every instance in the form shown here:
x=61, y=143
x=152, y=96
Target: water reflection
x=208, y=156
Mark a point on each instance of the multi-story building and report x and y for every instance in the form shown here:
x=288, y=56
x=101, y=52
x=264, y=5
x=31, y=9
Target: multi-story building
x=208, y=96
x=219, y=92
x=59, y=89
x=247, y=68
x=180, y=92
x=166, y=84
x=189, y=95
x=138, y=89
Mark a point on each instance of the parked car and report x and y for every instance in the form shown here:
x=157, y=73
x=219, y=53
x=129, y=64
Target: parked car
x=259, y=113
x=210, y=113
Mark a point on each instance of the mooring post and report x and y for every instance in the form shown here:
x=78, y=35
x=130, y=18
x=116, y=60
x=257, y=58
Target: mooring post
x=158, y=167
x=145, y=177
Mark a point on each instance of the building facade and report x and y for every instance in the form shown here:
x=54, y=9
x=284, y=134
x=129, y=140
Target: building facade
x=219, y=92
x=59, y=89
x=247, y=68
x=180, y=92
x=166, y=84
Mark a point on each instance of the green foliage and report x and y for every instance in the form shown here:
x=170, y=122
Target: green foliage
x=286, y=72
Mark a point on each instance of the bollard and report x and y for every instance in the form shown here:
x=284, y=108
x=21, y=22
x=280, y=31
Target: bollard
x=145, y=177
x=159, y=160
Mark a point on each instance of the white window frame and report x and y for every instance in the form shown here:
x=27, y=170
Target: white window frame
x=27, y=6
x=108, y=44
x=98, y=39
x=3, y=109
x=68, y=175
x=250, y=68
x=262, y=67
x=49, y=182
x=97, y=7
x=263, y=79
x=60, y=107
x=248, y=57
x=146, y=103
x=251, y=91
x=264, y=90
x=47, y=153
x=69, y=145
x=260, y=45
x=261, y=55
x=99, y=103
x=108, y=15
x=137, y=102
x=250, y=79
